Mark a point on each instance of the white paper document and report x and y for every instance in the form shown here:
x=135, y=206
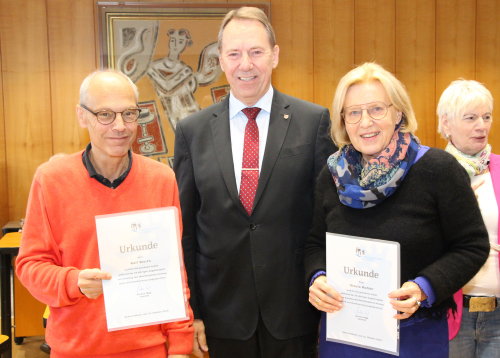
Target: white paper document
x=141, y=250
x=363, y=271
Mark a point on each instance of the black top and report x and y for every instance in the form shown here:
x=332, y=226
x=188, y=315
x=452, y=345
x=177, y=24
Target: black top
x=434, y=216
x=101, y=179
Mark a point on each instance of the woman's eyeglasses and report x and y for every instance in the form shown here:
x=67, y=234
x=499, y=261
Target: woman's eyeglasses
x=376, y=110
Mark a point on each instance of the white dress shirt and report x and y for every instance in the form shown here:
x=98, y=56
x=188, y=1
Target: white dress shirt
x=237, y=123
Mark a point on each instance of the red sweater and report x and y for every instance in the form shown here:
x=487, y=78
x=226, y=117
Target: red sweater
x=59, y=239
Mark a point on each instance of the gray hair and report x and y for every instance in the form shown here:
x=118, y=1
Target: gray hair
x=247, y=13
x=458, y=97
x=84, y=87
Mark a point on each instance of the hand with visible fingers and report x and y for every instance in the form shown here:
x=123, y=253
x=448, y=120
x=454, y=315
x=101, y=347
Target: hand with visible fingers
x=407, y=299
x=200, y=340
x=90, y=282
x=324, y=297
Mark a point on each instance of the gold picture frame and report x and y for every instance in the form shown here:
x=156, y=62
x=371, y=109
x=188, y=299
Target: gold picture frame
x=170, y=51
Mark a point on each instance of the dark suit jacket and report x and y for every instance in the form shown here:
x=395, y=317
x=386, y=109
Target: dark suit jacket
x=240, y=265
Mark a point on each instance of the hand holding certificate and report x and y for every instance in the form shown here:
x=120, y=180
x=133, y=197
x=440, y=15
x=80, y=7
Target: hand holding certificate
x=363, y=271
x=141, y=250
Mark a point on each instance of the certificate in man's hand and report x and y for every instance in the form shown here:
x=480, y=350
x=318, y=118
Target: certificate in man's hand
x=363, y=271
x=141, y=250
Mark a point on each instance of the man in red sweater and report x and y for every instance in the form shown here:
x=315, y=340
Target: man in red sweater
x=58, y=260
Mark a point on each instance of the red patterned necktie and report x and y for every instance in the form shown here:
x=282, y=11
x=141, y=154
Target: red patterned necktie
x=250, y=167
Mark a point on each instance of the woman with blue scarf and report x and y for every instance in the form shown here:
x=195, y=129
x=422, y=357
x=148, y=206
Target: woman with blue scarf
x=383, y=184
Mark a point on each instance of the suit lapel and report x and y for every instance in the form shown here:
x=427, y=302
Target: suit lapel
x=278, y=126
x=222, y=145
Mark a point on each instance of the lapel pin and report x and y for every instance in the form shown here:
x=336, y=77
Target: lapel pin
x=285, y=116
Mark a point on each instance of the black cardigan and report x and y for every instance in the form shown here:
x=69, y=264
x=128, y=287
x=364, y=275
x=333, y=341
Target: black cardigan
x=433, y=214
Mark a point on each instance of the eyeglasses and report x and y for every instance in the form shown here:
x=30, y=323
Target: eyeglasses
x=376, y=110
x=107, y=116
x=487, y=117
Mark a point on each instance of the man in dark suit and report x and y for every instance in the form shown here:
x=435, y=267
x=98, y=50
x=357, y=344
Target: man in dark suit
x=247, y=197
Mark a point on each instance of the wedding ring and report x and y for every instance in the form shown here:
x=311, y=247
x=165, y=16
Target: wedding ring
x=318, y=301
x=417, y=302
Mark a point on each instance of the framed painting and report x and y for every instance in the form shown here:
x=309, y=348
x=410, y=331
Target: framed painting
x=170, y=52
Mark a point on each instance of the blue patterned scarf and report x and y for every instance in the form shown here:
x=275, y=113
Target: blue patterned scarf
x=362, y=187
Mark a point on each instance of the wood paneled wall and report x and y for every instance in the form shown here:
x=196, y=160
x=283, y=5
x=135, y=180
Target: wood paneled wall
x=48, y=46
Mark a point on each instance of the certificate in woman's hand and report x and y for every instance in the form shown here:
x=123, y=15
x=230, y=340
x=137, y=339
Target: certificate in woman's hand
x=363, y=271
